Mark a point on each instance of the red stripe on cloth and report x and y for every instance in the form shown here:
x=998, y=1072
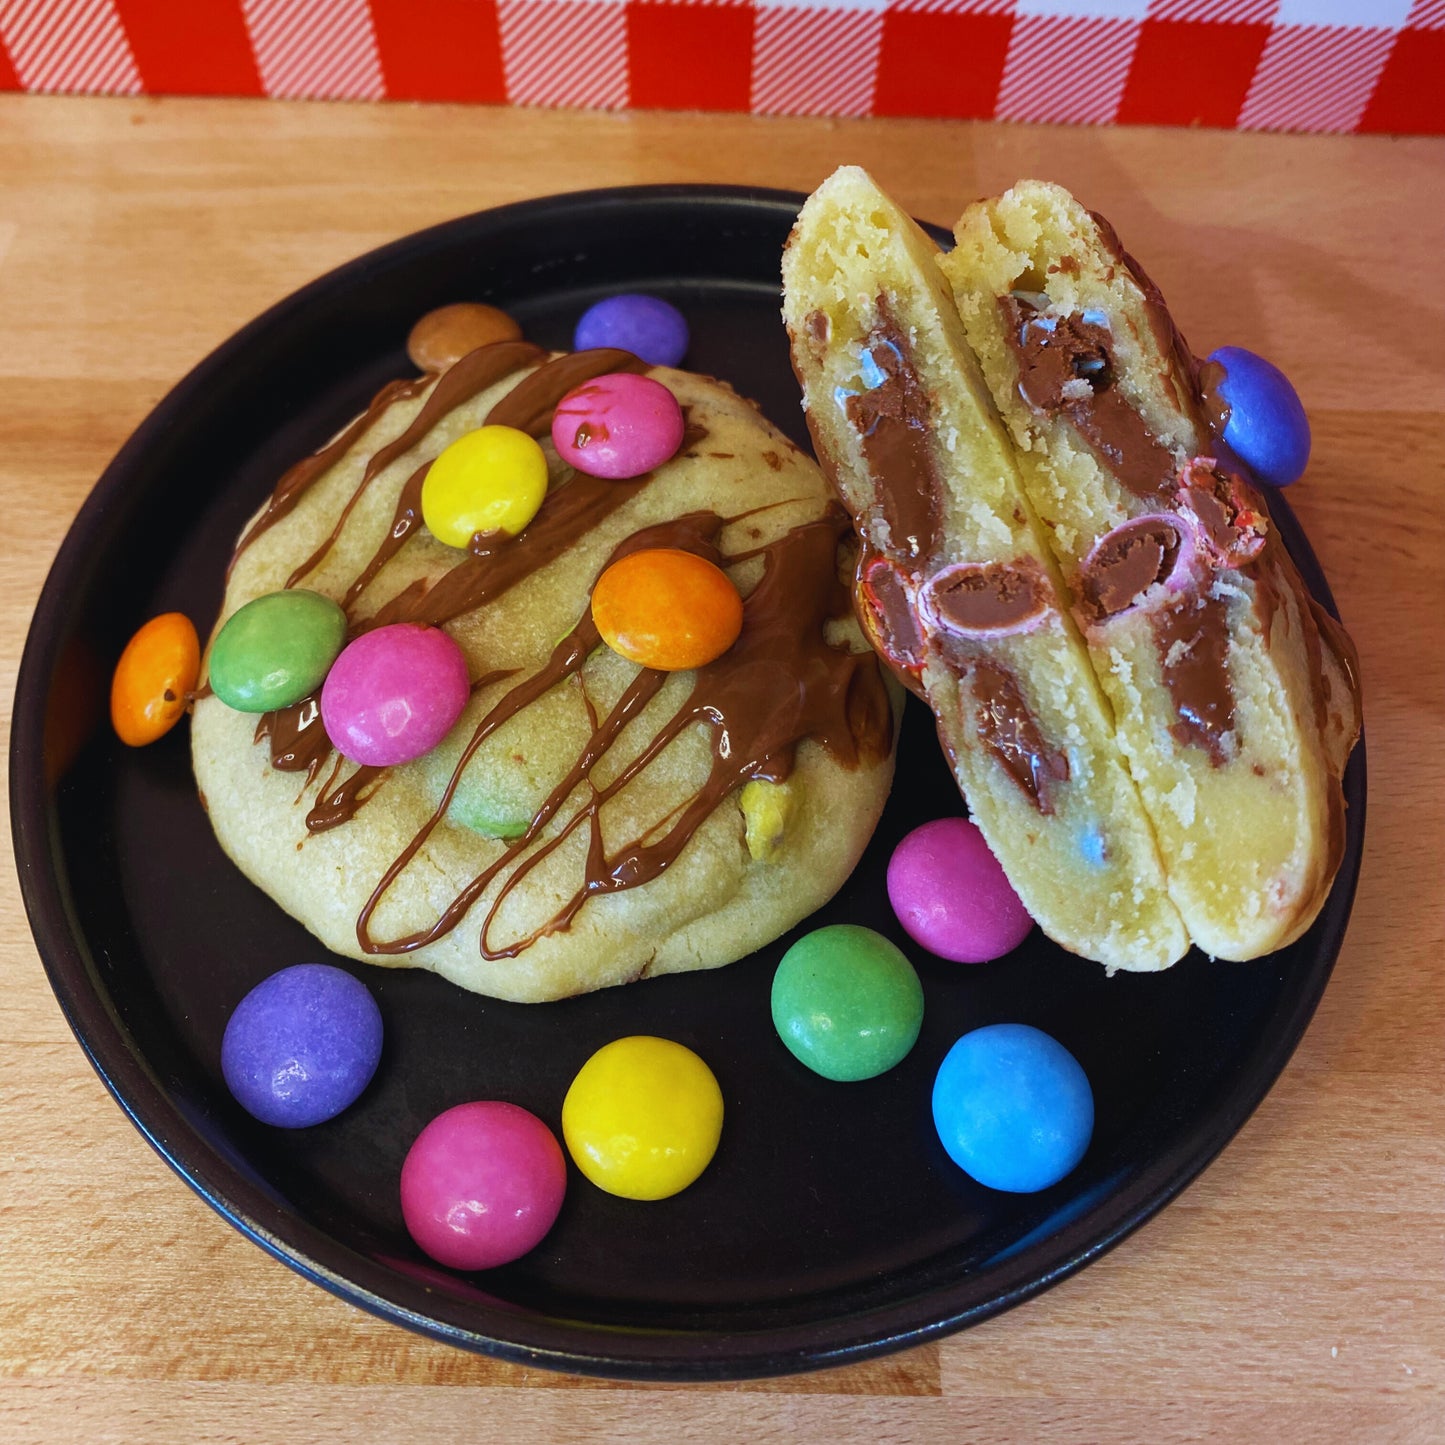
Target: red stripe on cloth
x=8, y=79
x=939, y=63
x=689, y=56
x=197, y=48
x=1191, y=73
x=440, y=49
x=1410, y=97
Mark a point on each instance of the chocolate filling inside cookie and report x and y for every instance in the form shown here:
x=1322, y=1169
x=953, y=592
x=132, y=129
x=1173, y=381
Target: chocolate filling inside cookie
x=1066, y=366
x=891, y=418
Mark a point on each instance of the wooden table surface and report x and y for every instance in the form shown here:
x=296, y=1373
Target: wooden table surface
x=1298, y=1288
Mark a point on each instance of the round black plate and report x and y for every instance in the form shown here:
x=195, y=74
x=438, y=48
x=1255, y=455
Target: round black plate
x=831, y=1225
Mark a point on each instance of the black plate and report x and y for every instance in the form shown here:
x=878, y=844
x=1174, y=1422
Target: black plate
x=831, y=1225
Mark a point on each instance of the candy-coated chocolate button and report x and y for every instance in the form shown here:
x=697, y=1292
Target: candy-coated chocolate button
x=302, y=1045
x=276, y=650
x=847, y=1002
x=482, y=1185
x=442, y=337
x=1013, y=1108
x=617, y=426
x=643, y=1117
x=394, y=694
x=158, y=668
x=490, y=480
x=952, y=896
x=1267, y=428
x=667, y=609
x=647, y=326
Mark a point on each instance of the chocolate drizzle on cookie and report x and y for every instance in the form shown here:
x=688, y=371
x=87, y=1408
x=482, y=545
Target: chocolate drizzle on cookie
x=471, y=376
x=782, y=682
x=295, y=482
x=529, y=405
x=297, y=739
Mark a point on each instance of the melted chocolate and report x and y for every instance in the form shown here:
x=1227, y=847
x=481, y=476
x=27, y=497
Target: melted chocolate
x=298, y=740
x=991, y=597
x=1232, y=518
x=529, y=405
x=1193, y=640
x=496, y=563
x=890, y=619
x=1069, y=369
x=403, y=524
x=1009, y=731
x=1228, y=511
x=338, y=801
x=1066, y=366
x=1216, y=410
x=1136, y=558
x=1180, y=369
x=895, y=434
x=894, y=426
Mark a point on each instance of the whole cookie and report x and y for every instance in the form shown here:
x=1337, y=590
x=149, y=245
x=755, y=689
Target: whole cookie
x=587, y=821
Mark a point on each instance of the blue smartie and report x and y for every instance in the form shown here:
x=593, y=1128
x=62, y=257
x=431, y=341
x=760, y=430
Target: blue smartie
x=1013, y=1108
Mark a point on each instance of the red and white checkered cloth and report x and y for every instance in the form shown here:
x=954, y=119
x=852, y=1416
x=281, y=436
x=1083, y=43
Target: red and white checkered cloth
x=1316, y=65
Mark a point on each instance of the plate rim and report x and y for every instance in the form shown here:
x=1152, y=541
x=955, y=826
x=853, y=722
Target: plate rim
x=661, y=1355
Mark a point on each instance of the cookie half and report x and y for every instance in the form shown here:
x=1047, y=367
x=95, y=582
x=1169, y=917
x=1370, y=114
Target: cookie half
x=587, y=822
x=1234, y=694
x=956, y=583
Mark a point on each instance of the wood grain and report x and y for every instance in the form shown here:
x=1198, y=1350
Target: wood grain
x=1298, y=1289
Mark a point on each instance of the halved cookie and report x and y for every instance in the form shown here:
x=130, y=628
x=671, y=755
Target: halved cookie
x=956, y=582
x=1234, y=694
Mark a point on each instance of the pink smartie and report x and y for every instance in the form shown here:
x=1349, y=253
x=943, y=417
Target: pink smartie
x=617, y=426
x=482, y=1185
x=393, y=694
x=952, y=896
